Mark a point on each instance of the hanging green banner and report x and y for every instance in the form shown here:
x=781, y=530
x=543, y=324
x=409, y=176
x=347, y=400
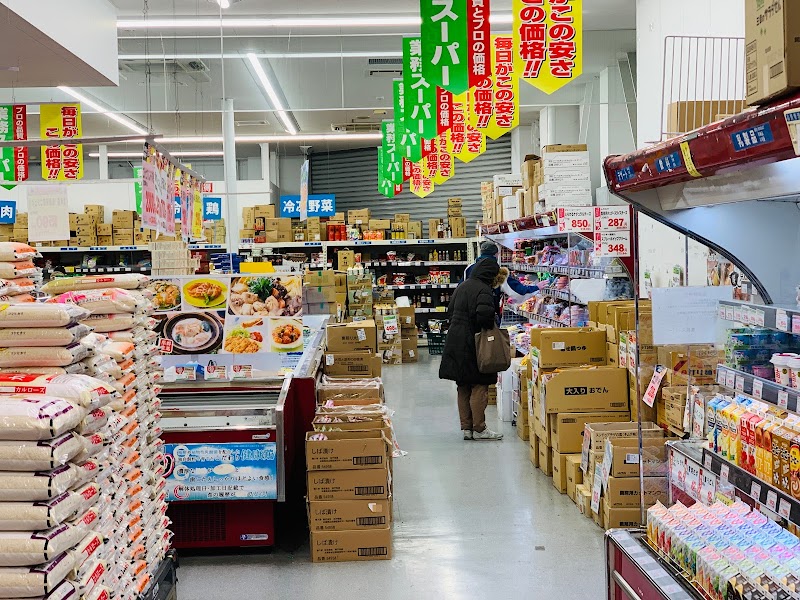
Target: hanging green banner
x=385, y=186
x=137, y=188
x=445, y=47
x=420, y=95
x=392, y=161
x=408, y=142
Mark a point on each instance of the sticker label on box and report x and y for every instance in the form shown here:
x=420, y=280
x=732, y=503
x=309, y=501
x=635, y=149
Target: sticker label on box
x=752, y=137
x=670, y=162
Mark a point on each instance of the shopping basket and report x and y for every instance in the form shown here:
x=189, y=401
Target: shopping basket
x=436, y=343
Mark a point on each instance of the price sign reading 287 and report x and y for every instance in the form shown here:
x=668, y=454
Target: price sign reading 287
x=612, y=218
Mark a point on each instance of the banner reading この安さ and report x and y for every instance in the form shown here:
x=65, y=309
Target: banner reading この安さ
x=61, y=121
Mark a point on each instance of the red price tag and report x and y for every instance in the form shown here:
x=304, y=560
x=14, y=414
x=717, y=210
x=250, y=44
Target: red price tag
x=612, y=244
x=612, y=218
x=575, y=218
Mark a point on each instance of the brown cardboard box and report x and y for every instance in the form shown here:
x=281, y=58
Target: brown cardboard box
x=522, y=427
x=529, y=171
x=248, y=216
x=345, y=546
x=772, y=42
x=542, y=429
x=545, y=459
x=358, y=217
x=337, y=218
x=615, y=518
x=409, y=347
x=352, y=364
x=346, y=450
x=565, y=148
x=407, y=317
x=91, y=240
x=454, y=211
x=403, y=217
x=574, y=476
x=458, y=226
x=249, y=234
x=123, y=237
x=379, y=224
x=433, y=226
x=624, y=492
x=80, y=221
x=455, y=202
x=265, y=211
x=86, y=230
x=596, y=389
x=324, y=278
x=569, y=347
x=612, y=352
x=278, y=224
x=625, y=457
x=600, y=432
x=346, y=337
x=104, y=229
x=620, y=318
x=414, y=229
x=315, y=294
x=349, y=515
x=353, y=484
x=107, y=240
x=560, y=471
x=533, y=441
x=583, y=498
x=567, y=428
x=98, y=210
x=346, y=259
x=687, y=115
x=122, y=219
x=599, y=517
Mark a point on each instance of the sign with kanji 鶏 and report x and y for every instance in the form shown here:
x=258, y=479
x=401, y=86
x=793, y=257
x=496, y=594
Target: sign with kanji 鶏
x=8, y=212
x=13, y=126
x=444, y=43
x=548, y=42
x=61, y=162
x=319, y=205
x=420, y=95
x=212, y=209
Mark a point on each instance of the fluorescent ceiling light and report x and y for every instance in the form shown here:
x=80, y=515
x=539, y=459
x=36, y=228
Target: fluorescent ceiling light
x=273, y=96
x=216, y=22
x=235, y=55
x=224, y=3
x=102, y=110
x=187, y=154
x=263, y=139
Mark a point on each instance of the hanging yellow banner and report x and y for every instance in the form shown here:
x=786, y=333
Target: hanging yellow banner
x=446, y=167
x=197, y=212
x=64, y=162
x=465, y=142
x=419, y=184
x=548, y=42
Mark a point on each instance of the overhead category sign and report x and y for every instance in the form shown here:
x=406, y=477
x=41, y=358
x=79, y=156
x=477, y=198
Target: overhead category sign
x=319, y=205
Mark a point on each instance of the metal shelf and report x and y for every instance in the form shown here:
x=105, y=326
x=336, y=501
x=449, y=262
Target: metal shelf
x=415, y=263
x=540, y=318
x=428, y=310
x=347, y=243
x=758, y=489
x=779, y=318
x=575, y=272
x=423, y=286
x=562, y=295
x=774, y=393
x=145, y=248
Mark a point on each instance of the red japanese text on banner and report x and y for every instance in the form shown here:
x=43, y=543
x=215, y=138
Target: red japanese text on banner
x=444, y=113
x=420, y=185
x=61, y=121
x=548, y=42
x=479, y=36
x=446, y=167
x=505, y=88
x=466, y=142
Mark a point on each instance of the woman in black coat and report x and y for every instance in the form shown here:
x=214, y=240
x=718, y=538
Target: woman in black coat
x=472, y=309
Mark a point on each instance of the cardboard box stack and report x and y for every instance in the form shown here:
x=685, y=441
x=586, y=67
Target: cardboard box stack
x=531, y=180
x=455, y=218
x=319, y=293
x=260, y=224
x=349, y=453
x=215, y=234
x=521, y=381
x=505, y=194
x=571, y=385
x=390, y=338
x=488, y=202
x=409, y=333
x=772, y=42
x=359, y=295
x=566, y=176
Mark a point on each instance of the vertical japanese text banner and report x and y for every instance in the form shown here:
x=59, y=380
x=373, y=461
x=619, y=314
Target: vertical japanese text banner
x=505, y=88
x=385, y=186
x=187, y=214
x=421, y=99
x=444, y=43
x=392, y=161
x=420, y=184
x=408, y=142
x=61, y=121
x=304, y=190
x=197, y=211
x=13, y=126
x=465, y=142
x=548, y=42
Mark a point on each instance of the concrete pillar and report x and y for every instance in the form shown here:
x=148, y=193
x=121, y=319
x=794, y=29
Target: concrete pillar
x=229, y=160
x=103, y=161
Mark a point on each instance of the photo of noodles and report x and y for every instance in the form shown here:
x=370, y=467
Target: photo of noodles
x=266, y=295
x=205, y=293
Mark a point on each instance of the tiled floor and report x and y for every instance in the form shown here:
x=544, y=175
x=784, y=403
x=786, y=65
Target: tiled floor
x=472, y=520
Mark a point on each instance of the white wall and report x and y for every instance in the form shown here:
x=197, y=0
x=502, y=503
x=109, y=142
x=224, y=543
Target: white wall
x=559, y=125
x=657, y=19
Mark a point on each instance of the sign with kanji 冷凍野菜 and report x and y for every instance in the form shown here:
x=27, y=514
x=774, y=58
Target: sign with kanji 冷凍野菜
x=445, y=47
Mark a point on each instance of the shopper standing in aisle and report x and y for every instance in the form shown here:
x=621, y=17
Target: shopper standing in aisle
x=489, y=252
x=471, y=310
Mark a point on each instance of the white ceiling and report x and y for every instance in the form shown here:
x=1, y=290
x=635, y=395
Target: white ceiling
x=319, y=92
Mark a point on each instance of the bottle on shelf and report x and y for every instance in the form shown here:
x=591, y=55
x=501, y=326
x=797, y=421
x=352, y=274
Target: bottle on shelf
x=435, y=255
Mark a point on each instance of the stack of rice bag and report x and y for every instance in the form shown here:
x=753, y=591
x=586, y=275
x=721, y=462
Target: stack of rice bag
x=18, y=275
x=53, y=459
x=124, y=352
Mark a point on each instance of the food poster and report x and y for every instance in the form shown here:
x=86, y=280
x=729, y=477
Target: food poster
x=227, y=327
x=229, y=471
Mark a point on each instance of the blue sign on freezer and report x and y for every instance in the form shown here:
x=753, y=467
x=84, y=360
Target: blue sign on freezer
x=230, y=471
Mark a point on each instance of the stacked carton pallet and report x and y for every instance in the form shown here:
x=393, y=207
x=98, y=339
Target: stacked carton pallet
x=319, y=294
x=390, y=338
x=409, y=333
x=566, y=177
x=359, y=294
x=349, y=453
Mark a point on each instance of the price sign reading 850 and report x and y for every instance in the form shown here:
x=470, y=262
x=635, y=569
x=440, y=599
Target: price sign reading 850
x=575, y=218
x=612, y=243
x=612, y=218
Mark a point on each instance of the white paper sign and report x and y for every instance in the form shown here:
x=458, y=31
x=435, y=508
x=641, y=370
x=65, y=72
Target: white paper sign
x=783, y=399
x=48, y=213
x=612, y=243
x=612, y=218
x=758, y=389
x=597, y=487
x=575, y=218
x=687, y=315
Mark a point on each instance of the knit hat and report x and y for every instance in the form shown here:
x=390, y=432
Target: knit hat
x=489, y=248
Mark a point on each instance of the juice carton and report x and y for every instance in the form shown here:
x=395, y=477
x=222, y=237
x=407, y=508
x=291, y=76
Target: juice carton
x=781, y=448
x=794, y=466
x=712, y=421
x=767, y=455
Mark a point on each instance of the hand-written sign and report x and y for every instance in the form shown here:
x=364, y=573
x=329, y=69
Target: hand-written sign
x=48, y=213
x=687, y=315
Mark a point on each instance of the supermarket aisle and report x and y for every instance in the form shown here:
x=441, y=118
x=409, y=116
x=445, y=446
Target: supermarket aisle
x=472, y=520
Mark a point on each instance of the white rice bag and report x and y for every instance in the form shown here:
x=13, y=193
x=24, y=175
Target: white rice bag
x=22, y=548
x=87, y=549
x=49, y=356
x=42, y=336
x=98, y=592
x=35, y=516
x=88, y=470
x=94, y=421
x=123, y=281
x=16, y=251
x=20, y=285
x=39, y=456
x=92, y=445
x=37, y=417
x=111, y=322
x=87, y=521
x=83, y=390
x=38, y=485
x=119, y=351
x=20, y=268
x=40, y=315
x=100, y=302
x=18, y=299
x=44, y=582
x=88, y=496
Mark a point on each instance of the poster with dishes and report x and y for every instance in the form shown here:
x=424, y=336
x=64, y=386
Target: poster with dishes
x=226, y=328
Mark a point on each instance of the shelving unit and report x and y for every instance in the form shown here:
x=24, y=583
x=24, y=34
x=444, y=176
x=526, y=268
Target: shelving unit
x=539, y=318
x=780, y=318
x=762, y=389
x=423, y=286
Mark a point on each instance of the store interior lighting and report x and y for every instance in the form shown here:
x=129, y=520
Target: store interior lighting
x=83, y=98
x=271, y=93
x=186, y=154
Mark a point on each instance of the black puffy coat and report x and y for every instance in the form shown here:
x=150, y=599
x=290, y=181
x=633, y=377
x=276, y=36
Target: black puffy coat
x=471, y=309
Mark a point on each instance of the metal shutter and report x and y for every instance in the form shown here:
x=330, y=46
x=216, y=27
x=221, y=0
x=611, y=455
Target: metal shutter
x=352, y=176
